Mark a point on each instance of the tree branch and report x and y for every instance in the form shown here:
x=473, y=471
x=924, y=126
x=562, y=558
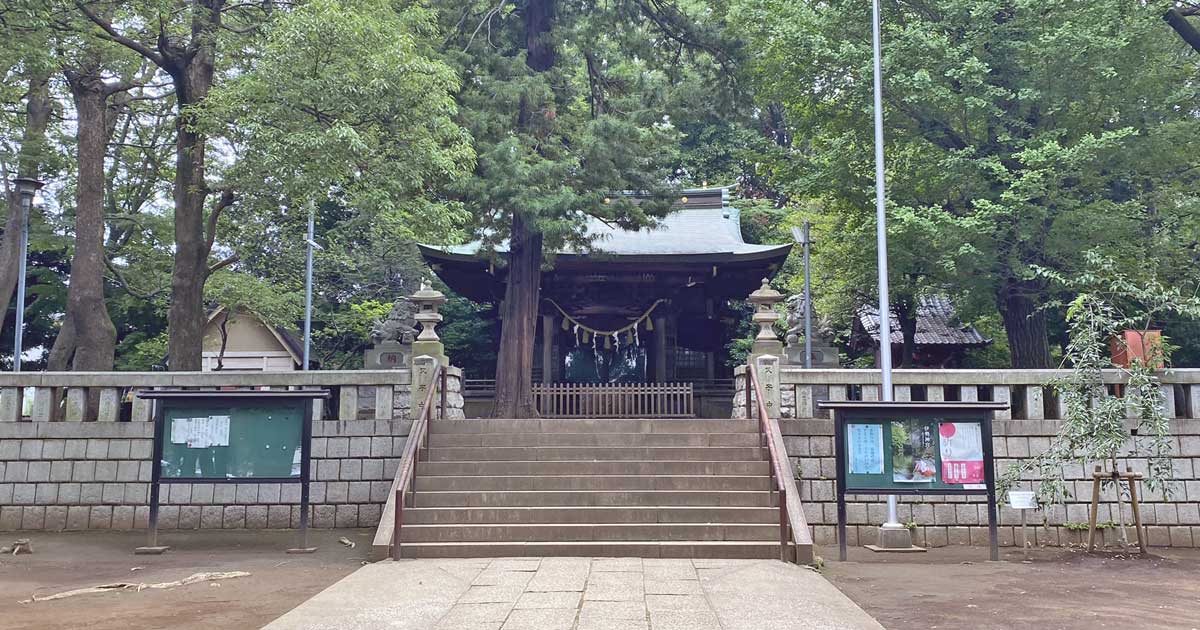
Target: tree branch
x=227, y=199
x=114, y=35
x=221, y=264
x=1178, y=21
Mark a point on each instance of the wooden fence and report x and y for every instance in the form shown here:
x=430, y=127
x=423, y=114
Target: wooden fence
x=614, y=400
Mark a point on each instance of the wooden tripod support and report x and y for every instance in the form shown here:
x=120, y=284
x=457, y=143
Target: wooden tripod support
x=1129, y=477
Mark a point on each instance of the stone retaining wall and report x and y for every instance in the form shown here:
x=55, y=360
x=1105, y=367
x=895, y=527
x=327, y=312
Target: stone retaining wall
x=1025, y=430
x=59, y=475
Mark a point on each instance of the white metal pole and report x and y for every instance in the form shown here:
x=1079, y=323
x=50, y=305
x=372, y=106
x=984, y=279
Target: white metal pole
x=807, y=297
x=885, y=312
x=19, y=333
x=308, y=281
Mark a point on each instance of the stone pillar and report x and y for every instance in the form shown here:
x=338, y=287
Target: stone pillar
x=1003, y=394
x=10, y=404
x=1035, y=402
x=766, y=367
x=1193, y=402
x=110, y=405
x=422, y=379
x=43, y=404
x=1168, y=399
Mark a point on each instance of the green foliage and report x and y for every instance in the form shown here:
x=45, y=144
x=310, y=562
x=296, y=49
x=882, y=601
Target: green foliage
x=995, y=163
x=144, y=354
x=274, y=305
x=1109, y=299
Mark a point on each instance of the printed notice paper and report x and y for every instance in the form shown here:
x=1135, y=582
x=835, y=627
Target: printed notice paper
x=866, y=448
x=204, y=432
x=962, y=452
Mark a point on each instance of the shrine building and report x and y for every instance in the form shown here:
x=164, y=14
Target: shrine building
x=641, y=307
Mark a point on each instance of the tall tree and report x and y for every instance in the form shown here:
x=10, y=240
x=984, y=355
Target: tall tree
x=1024, y=167
x=568, y=103
x=182, y=39
x=30, y=158
x=87, y=338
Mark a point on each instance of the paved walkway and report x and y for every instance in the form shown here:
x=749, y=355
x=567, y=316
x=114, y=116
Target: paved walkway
x=580, y=594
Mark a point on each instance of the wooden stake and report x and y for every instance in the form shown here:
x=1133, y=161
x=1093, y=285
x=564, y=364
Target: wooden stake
x=1096, y=475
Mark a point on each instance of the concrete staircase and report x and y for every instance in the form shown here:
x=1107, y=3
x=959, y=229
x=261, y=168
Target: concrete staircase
x=649, y=488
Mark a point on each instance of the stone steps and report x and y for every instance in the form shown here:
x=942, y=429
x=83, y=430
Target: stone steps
x=560, y=425
x=606, y=439
x=592, y=467
x=562, y=498
x=608, y=549
x=597, y=453
x=594, y=482
x=591, y=514
x=650, y=488
x=589, y=532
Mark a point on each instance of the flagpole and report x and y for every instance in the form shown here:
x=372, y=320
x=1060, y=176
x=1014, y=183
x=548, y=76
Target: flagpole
x=885, y=319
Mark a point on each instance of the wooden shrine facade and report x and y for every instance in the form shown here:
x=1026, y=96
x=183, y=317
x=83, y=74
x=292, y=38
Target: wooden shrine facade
x=647, y=306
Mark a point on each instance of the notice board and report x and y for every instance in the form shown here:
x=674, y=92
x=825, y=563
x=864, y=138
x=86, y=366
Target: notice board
x=906, y=454
x=914, y=448
x=245, y=440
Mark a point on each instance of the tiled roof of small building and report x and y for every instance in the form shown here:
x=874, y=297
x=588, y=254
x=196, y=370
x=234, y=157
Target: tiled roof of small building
x=704, y=224
x=937, y=324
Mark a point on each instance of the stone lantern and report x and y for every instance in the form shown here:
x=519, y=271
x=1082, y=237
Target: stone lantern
x=764, y=301
x=428, y=301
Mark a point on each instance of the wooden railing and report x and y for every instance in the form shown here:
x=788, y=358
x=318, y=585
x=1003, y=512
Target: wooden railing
x=433, y=404
x=614, y=400
x=792, y=526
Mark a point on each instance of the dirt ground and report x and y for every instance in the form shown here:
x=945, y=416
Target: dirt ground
x=955, y=587
x=948, y=588
x=277, y=582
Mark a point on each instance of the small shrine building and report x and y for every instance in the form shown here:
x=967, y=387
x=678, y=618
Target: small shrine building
x=645, y=306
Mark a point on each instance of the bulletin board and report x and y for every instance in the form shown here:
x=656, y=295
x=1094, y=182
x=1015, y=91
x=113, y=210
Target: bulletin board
x=231, y=436
x=250, y=441
x=914, y=448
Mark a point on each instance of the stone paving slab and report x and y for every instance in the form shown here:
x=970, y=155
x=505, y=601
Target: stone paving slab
x=579, y=594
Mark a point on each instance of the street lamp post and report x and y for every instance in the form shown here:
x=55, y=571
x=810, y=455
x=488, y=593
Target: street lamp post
x=308, y=281
x=27, y=187
x=804, y=237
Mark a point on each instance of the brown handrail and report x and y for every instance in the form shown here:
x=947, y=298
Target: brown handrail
x=791, y=519
x=418, y=434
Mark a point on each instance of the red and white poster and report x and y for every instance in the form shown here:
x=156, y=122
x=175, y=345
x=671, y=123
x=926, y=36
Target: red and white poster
x=962, y=452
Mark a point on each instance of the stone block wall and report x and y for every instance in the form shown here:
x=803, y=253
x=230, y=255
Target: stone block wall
x=1172, y=518
x=93, y=475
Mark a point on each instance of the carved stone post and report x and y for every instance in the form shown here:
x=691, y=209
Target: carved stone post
x=767, y=369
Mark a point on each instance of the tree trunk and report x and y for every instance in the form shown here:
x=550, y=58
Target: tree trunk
x=192, y=75
x=514, y=363
x=518, y=327
x=1024, y=324
x=93, y=339
x=33, y=141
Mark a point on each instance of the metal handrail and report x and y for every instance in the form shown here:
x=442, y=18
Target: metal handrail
x=791, y=519
x=418, y=435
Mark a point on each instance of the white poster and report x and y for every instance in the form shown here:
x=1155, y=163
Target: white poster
x=962, y=452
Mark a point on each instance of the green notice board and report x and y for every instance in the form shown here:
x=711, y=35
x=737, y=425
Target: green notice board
x=247, y=440
x=915, y=454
